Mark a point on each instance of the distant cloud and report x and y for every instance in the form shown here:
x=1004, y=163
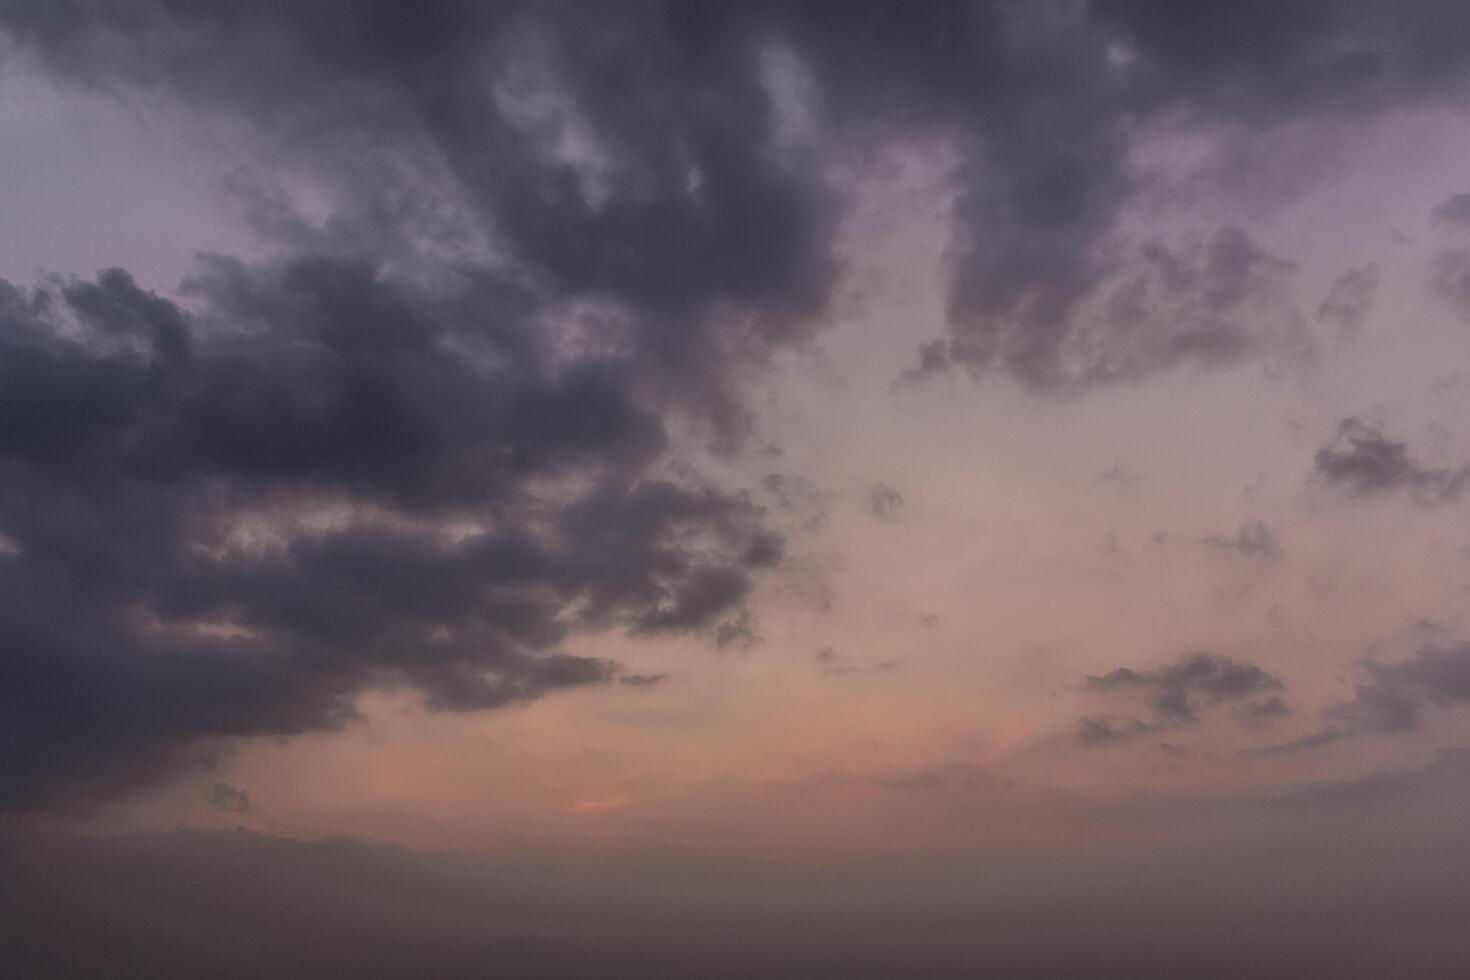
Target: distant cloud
x=1100, y=730
x=1349, y=299
x=1254, y=541
x=223, y=796
x=831, y=661
x=1390, y=698
x=1362, y=461
x=1175, y=693
x=641, y=680
x=1120, y=478
x=885, y=503
x=1270, y=708
x=798, y=496
x=1125, y=313
x=1454, y=211
x=1451, y=275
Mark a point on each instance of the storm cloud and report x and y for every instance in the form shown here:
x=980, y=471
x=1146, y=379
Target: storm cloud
x=227, y=520
x=650, y=157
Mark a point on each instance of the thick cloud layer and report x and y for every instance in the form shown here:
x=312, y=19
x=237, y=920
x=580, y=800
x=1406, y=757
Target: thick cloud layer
x=225, y=522
x=650, y=154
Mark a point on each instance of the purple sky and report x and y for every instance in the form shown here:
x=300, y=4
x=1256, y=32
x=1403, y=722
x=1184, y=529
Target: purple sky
x=796, y=476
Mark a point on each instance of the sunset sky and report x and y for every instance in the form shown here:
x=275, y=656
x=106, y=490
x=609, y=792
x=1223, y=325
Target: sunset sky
x=766, y=488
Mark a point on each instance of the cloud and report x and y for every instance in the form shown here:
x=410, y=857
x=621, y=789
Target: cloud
x=1362, y=461
x=1451, y=275
x=1254, y=541
x=885, y=503
x=1349, y=299
x=642, y=680
x=798, y=496
x=1100, y=730
x=1175, y=693
x=829, y=661
x=1210, y=302
x=1121, y=478
x=558, y=130
x=1269, y=708
x=1454, y=211
x=229, y=520
x=223, y=796
x=1390, y=698
x=425, y=437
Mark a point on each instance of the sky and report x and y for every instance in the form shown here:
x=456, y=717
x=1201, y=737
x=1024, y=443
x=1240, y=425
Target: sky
x=759, y=488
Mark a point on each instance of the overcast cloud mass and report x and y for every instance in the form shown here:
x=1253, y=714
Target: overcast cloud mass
x=628, y=472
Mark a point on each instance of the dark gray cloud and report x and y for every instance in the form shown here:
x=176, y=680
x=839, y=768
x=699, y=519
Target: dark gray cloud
x=1362, y=461
x=1254, y=540
x=1349, y=298
x=161, y=591
x=1174, y=693
x=885, y=503
x=223, y=796
x=638, y=155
